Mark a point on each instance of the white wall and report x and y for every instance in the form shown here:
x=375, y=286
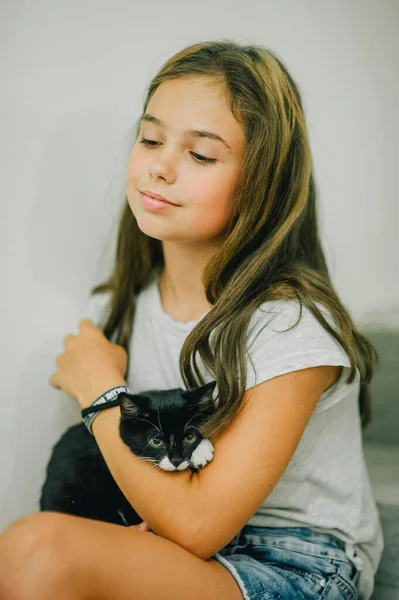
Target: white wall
x=73, y=76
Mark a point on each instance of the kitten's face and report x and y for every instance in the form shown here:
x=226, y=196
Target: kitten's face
x=163, y=426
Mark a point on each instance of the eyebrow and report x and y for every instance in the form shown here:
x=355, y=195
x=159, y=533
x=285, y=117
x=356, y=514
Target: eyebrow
x=189, y=132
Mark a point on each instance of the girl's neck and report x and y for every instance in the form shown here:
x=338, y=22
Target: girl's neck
x=184, y=302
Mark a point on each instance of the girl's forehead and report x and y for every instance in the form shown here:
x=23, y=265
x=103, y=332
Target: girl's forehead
x=195, y=107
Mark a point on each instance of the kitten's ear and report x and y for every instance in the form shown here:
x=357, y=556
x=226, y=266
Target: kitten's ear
x=201, y=397
x=206, y=390
x=130, y=405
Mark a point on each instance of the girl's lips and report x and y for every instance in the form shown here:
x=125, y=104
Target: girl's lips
x=152, y=194
x=154, y=204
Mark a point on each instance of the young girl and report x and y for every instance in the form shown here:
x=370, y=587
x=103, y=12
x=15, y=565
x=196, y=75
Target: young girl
x=219, y=275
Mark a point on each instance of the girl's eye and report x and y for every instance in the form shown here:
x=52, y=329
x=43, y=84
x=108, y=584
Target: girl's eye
x=156, y=442
x=197, y=157
x=190, y=438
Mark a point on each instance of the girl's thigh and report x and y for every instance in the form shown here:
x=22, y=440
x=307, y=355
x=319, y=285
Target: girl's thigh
x=290, y=563
x=57, y=556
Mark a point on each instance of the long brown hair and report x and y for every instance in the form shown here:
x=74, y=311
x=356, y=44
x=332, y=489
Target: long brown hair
x=272, y=248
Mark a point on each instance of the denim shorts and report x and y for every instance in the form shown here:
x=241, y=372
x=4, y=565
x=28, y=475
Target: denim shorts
x=291, y=563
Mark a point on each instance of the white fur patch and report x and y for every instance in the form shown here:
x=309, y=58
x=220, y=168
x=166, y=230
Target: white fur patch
x=183, y=465
x=203, y=453
x=166, y=465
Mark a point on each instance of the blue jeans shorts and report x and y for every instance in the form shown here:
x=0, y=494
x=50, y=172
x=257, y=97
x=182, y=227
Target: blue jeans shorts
x=291, y=563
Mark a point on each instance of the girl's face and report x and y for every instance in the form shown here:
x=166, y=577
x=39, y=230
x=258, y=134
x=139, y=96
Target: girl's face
x=173, y=164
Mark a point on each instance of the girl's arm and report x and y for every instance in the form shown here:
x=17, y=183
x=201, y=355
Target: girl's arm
x=165, y=501
x=89, y=366
x=204, y=511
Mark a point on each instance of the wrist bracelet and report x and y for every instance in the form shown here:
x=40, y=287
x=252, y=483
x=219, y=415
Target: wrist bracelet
x=107, y=400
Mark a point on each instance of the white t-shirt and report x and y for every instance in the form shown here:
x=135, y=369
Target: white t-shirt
x=326, y=484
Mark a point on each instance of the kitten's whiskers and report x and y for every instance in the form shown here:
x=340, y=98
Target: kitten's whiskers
x=159, y=421
x=150, y=458
x=193, y=427
x=151, y=423
x=193, y=417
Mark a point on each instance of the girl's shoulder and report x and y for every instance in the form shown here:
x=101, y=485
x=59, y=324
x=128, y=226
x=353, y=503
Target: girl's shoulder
x=289, y=316
x=283, y=336
x=281, y=339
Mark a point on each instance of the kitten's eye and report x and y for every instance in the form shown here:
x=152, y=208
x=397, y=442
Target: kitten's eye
x=156, y=442
x=190, y=438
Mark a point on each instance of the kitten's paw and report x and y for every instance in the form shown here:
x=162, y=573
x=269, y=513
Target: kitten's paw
x=203, y=453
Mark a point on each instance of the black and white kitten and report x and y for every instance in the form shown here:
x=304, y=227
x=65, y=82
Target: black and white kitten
x=161, y=426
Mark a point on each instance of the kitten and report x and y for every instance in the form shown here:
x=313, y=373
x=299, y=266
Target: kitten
x=161, y=426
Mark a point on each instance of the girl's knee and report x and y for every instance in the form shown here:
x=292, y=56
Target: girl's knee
x=29, y=530
x=30, y=554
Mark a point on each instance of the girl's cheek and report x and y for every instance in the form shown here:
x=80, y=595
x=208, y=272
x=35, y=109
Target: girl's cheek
x=137, y=178
x=217, y=193
x=136, y=165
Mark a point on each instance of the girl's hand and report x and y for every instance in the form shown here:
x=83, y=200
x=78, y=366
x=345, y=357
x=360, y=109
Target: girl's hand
x=90, y=364
x=143, y=526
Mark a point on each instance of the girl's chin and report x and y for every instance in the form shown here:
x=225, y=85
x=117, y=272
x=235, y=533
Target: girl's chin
x=162, y=233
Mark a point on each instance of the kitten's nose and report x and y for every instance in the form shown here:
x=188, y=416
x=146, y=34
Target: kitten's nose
x=176, y=461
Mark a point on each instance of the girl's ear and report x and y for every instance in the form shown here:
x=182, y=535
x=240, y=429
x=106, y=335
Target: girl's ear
x=132, y=405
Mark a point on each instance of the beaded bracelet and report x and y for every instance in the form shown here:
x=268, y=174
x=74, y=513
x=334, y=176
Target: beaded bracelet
x=107, y=400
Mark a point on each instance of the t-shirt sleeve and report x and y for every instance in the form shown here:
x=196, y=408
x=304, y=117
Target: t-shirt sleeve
x=275, y=348
x=95, y=308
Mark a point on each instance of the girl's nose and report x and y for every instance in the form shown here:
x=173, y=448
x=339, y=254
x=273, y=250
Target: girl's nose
x=163, y=166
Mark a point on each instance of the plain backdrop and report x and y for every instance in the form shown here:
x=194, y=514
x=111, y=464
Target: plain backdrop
x=72, y=79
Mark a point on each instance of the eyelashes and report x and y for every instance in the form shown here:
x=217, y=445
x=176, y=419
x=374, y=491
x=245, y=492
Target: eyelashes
x=197, y=157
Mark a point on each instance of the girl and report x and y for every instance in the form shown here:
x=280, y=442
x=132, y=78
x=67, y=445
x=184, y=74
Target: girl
x=219, y=275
